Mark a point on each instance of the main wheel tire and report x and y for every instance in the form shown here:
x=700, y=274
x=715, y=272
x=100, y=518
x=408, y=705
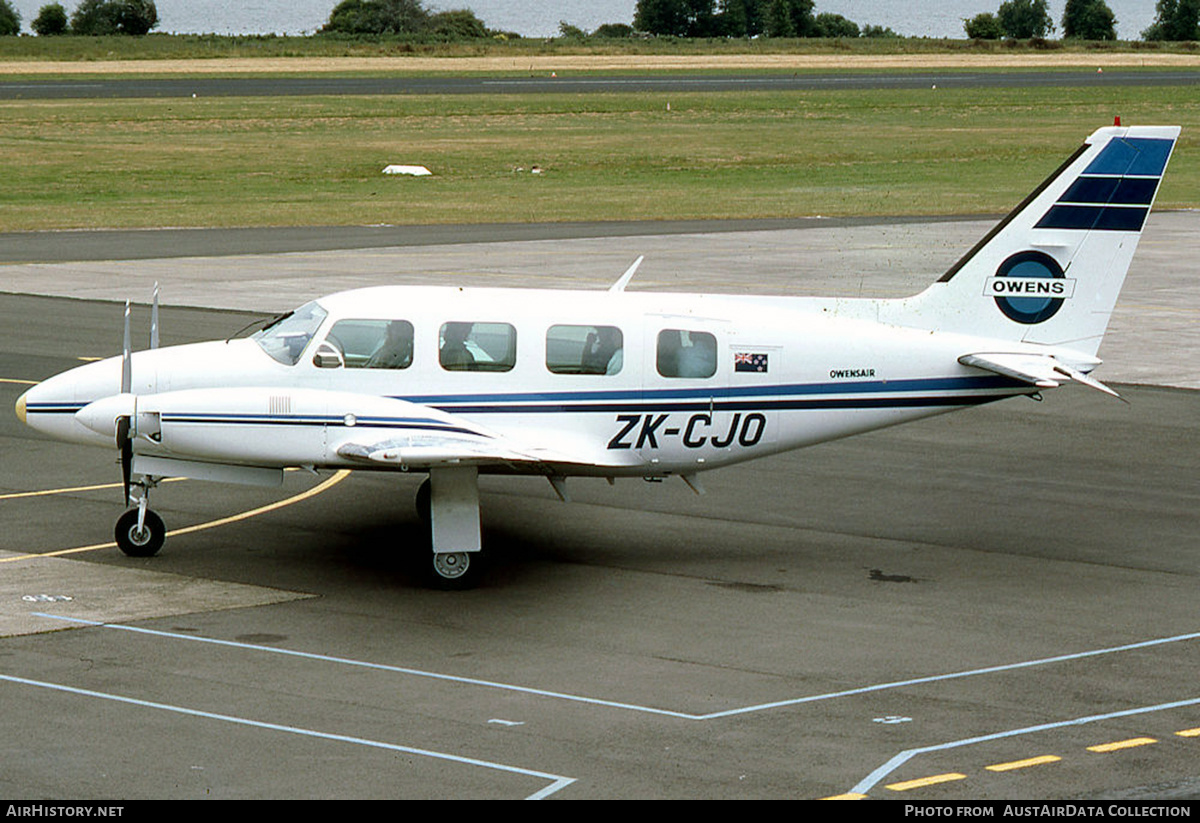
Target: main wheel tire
x=144, y=542
x=456, y=570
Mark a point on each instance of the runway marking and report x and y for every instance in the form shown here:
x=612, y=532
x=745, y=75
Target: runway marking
x=18, y=382
x=1189, y=733
x=870, y=781
x=594, y=700
x=557, y=782
x=1023, y=764
x=1119, y=745
x=337, y=477
x=921, y=782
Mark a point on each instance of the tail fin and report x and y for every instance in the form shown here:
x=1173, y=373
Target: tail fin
x=1051, y=271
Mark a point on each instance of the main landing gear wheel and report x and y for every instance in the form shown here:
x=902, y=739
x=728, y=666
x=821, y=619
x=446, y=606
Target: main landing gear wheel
x=143, y=542
x=456, y=570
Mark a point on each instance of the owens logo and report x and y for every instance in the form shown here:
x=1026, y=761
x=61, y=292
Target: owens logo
x=1029, y=287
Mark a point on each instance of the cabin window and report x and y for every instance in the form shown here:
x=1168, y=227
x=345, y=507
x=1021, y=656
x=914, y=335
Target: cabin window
x=683, y=353
x=373, y=344
x=477, y=346
x=286, y=338
x=584, y=350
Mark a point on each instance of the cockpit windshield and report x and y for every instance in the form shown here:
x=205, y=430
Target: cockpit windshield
x=285, y=339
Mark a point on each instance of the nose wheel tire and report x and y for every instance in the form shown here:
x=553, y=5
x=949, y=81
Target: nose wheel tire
x=143, y=542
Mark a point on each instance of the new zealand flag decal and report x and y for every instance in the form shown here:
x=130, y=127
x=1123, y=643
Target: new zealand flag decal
x=743, y=361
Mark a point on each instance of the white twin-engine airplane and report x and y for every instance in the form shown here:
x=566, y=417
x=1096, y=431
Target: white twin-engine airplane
x=455, y=382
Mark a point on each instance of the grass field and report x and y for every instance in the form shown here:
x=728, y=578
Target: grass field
x=210, y=46
x=318, y=161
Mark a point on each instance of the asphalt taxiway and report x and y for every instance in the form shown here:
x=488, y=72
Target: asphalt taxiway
x=998, y=603
x=545, y=82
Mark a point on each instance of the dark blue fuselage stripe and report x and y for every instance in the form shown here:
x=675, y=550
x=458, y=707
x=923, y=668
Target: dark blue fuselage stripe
x=705, y=393
x=267, y=420
x=53, y=408
x=911, y=401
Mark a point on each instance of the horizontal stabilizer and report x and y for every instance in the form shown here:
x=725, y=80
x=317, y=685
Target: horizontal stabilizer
x=1041, y=370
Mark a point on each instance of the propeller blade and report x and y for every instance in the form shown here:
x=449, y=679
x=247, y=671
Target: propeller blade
x=154, y=320
x=126, y=365
x=125, y=444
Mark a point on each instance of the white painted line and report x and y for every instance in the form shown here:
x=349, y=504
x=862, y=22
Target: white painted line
x=1007, y=667
x=630, y=706
x=557, y=781
x=345, y=661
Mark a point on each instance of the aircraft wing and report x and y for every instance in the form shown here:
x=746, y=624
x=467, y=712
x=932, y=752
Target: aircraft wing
x=1041, y=370
x=273, y=427
x=424, y=450
x=429, y=438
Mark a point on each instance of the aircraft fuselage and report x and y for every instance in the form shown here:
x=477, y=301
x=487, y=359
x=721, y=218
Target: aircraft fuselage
x=693, y=382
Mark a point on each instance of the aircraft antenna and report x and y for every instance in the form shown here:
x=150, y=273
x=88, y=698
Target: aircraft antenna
x=620, y=285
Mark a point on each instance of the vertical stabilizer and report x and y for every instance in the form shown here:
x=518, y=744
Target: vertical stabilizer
x=1051, y=271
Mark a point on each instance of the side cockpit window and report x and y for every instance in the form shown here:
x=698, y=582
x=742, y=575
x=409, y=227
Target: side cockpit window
x=584, y=349
x=286, y=338
x=683, y=353
x=477, y=347
x=373, y=344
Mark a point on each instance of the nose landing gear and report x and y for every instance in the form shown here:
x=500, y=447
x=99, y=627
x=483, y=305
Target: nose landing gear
x=140, y=532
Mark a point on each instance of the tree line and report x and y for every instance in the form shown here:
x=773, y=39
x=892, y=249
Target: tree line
x=1015, y=19
x=90, y=17
x=745, y=18
x=1082, y=20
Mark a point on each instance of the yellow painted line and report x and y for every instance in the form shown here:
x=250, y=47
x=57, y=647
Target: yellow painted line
x=338, y=477
x=48, y=492
x=1115, y=746
x=847, y=796
x=1189, y=733
x=20, y=382
x=89, y=359
x=933, y=780
x=1023, y=764
x=70, y=489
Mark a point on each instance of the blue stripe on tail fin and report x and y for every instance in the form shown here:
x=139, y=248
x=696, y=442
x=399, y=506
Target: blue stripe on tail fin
x=1115, y=191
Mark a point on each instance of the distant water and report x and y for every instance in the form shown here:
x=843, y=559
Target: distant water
x=540, y=18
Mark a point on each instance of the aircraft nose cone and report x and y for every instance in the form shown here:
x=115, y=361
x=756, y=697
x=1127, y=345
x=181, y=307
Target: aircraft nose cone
x=21, y=407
